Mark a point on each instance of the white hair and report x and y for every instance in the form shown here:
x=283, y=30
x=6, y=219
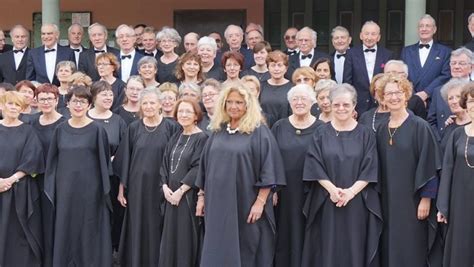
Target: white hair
x=230, y=26
x=104, y=29
x=302, y=88
x=314, y=34
x=125, y=27
x=209, y=41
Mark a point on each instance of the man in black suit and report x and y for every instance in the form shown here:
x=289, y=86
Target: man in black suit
x=306, y=39
x=290, y=41
x=13, y=62
x=74, y=35
x=4, y=47
x=341, y=39
x=41, y=62
x=98, y=37
x=150, y=43
x=234, y=35
x=363, y=62
x=129, y=57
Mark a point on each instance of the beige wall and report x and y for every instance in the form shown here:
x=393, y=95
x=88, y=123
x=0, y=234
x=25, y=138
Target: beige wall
x=114, y=12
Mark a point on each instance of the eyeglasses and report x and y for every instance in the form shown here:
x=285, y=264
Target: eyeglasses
x=46, y=100
x=460, y=63
x=210, y=95
x=103, y=64
x=135, y=89
x=168, y=98
x=288, y=37
x=188, y=95
x=299, y=98
x=231, y=65
x=392, y=94
x=186, y=112
x=78, y=102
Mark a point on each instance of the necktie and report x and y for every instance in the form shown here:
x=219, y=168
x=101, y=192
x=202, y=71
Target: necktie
x=369, y=50
x=307, y=56
x=126, y=56
x=427, y=46
x=340, y=55
x=16, y=51
x=99, y=51
x=49, y=50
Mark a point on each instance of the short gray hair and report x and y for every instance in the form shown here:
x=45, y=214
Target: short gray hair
x=206, y=40
x=104, y=29
x=450, y=85
x=370, y=22
x=168, y=32
x=213, y=83
x=20, y=27
x=314, y=34
x=470, y=17
x=55, y=27
x=232, y=25
x=343, y=89
x=66, y=63
x=192, y=86
x=323, y=85
x=147, y=60
x=399, y=63
x=463, y=51
x=126, y=27
x=340, y=29
x=302, y=88
x=136, y=78
x=75, y=24
x=149, y=91
x=428, y=16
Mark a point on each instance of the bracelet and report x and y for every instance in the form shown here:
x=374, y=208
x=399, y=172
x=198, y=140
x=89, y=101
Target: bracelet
x=200, y=194
x=261, y=200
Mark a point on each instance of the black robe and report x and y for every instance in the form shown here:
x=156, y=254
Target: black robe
x=293, y=144
x=407, y=167
x=274, y=101
x=372, y=119
x=77, y=186
x=448, y=131
x=180, y=239
x=262, y=77
x=137, y=163
x=127, y=116
x=233, y=168
x=166, y=72
x=346, y=236
x=21, y=242
x=456, y=200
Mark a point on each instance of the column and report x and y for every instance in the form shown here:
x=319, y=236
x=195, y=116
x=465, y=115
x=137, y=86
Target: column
x=414, y=9
x=50, y=11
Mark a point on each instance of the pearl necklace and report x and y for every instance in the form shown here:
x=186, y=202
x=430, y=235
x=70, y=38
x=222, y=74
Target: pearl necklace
x=230, y=131
x=180, y=154
x=465, y=153
x=373, y=120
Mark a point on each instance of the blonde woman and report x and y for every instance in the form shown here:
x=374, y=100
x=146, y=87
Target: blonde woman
x=239, y=167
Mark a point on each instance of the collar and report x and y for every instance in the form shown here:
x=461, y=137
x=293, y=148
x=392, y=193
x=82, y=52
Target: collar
x=310, y=52
x=55, y=46
x=131, y=53
x=365, y=47
x=430, y=43
x=101, y=48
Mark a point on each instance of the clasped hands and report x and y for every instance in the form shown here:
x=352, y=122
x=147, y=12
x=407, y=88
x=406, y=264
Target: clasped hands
x=172, y=197
x=7, y=183
x=341, y=197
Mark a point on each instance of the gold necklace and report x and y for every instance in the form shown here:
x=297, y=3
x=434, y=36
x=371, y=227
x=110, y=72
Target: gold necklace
x=390, y=141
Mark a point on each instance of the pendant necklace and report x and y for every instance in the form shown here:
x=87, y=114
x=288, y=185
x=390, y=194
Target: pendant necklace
x=180, y=154
x=230, y=131
x=465, y=153
x=390, y=141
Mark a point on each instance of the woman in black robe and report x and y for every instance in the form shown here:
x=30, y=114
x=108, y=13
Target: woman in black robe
x=115, y=127
x=207, y=49
x=274, y=90
x=342, y=208
x=107, y=65
x=180, y=239
x=374, y=117
x=260, y=69
x=21, y=242
x=77, y=185
x=129, y=110
x=455, y=198
x=168, y=39
x=209, y=96
x=239, y=167
x=409, y=163
x=137, y=163
x=293, y=135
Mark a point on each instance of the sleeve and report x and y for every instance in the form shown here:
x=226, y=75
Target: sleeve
x=369, y=165
x=314, y=166
x=429, y=161
x=104, y=161
x=32, y=157
x=190, y=177
x=267, y=159
x=121, y=163
x=30, y=67
x=51, y=166
x=443, y=77
x=445, y=183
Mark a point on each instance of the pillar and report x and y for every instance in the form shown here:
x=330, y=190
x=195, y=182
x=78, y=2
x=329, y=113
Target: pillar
x=50, y=11
x=414, y=9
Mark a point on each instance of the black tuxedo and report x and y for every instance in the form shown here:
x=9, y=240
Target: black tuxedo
x=8, y=71
x=356, y=74
x=36, y=63
x=294, y=61
x=134, y=70
x=87, y=62
x=157, y=56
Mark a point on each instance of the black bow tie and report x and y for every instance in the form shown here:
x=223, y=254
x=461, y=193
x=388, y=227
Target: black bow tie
x=369, y=50
x=16, y=51
x=49, y=50
x=76, y=49
x=99, y=51
x=126, y=56
x=307, y=56
x=427, y=46
x=149, y=54
x=340, y=55
x=290, y=52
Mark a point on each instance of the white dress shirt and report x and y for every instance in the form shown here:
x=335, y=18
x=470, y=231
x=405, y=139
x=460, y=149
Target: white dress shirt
x=126, y=65
x=18, y=57
x=50, y=60
x=339, y=66
x=424, y=52
x=307, y=61
x=370, y=60
x=76, y=54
